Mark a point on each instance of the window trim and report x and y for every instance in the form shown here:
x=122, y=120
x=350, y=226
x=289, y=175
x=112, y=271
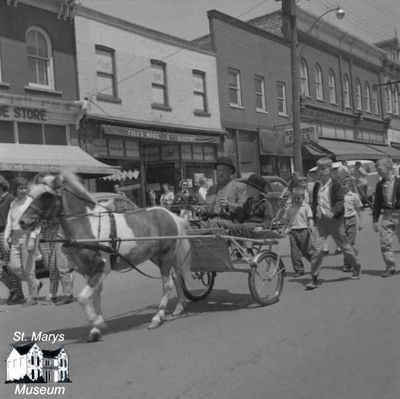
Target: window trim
x=238, y=88
x=304, y=80
x=49, y=63
x=346, y=91
x=332, y=87
x=283, y=99
x=205, y=111
x=99, y=95
x=161, y=106
x=261, y=94
x=319, y=83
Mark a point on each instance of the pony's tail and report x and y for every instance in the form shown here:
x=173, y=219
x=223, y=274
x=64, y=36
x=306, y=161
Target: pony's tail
x=183, y=251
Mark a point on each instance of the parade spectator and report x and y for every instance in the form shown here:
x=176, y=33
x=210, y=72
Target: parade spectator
x=352, y=217
x=299, y=218
x=387, y=203
x=7, y=277
x=119, y=191
x=328, y=210
x=184, y=201
x=167, y=197
x=360, y=179
x=22, y=244
x=202, y=192
x=343, y=171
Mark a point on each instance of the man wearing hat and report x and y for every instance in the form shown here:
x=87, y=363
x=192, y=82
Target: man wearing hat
x=225, y=199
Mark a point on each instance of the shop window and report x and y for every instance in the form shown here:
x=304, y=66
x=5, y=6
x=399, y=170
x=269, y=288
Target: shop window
x=304, y=83
x=105, y=72
x=235, y=95
x=170, y=153
x=209, y=153
x=55, y=135
x=132, y=149
x=281, y=98
x=197, y=152
x=40, y=61
x=186, y=151
x=30, y=133
x=152, y=153
x=259, y=88
x=159, y=84
x=358, y=95
x=319, y=90
x=346, y=91
x=332, y=87
x=199, y=92
x=6, y=132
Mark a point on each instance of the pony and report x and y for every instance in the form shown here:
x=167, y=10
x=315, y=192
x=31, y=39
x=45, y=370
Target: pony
x=99, y=240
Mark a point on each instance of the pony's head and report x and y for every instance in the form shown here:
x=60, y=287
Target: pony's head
x=50, y=195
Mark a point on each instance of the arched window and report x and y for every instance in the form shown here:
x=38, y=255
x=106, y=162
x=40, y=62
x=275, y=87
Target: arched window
x=375, y=108
x=40, y=59
x=304, y=84
x=332, y=87
x=319, y=91
x=346, y=91
x=368, y=104
x=358, y=95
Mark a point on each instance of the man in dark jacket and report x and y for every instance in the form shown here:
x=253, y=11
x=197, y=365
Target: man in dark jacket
x=328, y=211
x=7, y=277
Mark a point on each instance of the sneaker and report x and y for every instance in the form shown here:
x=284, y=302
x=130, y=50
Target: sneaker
x=30, y=302
x=346, y=269
x=389, y=272
x=66, y=300
x=355, y=275
x=298, y=273
x=313, y=284
x=325, y=252
x=16, y=300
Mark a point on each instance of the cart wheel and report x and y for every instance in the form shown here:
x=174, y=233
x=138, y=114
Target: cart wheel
x=201, y=285
x=266, y=278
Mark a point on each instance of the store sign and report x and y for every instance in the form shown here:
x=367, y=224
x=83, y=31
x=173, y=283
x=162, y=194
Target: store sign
x=22, y=113
x=309, y=133
x=158, y=135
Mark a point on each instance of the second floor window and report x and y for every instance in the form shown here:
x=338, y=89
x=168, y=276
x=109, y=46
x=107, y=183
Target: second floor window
x=332, y=87
x=259, y=87
x=375, y=108
x=281, y=98
x=40, y=60
x=389, y=108
x=358, y=95
x=159, y=83
x=304, y=84
x=105, y=72
x=395, y=100
x=346, y=91
x=319, y=90
x=235, y=95
x=199, y=91
x=368, y=103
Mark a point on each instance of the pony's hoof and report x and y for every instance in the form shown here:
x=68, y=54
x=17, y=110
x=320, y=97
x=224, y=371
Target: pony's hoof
x=94, y=335
x=154, y=324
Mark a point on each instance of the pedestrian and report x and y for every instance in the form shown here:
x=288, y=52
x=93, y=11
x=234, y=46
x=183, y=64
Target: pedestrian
x=7, y=277
x=328, y=210
x=361, y=182
x=202, y=192
x=387, y=204
x=184, y=201
x=118, y=190
x=299, y=219
x=343, y=171
x=167, y=197
x=352, y=217
x=22, y=243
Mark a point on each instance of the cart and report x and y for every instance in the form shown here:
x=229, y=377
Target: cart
x=213, y=251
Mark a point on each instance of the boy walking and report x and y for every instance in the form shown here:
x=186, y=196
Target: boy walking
x=300, y=220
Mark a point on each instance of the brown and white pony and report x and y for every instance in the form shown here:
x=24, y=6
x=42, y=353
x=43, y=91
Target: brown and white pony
x=81, y=218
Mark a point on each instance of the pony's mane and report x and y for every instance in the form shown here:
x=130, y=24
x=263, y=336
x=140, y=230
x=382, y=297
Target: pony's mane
x=76, y=186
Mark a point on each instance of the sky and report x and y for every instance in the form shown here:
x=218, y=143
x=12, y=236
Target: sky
x=370, y=20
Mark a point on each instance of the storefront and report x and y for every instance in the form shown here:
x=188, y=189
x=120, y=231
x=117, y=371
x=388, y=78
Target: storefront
x=151, y=157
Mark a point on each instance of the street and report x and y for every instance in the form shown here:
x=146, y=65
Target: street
x=339, y=341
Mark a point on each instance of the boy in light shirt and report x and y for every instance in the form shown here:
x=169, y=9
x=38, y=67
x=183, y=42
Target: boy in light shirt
x=300, y=221
x=352, y=206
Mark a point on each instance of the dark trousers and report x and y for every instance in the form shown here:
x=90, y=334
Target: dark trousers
x=350, y=228
x=300, y=245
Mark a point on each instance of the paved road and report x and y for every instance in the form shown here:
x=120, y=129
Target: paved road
x=337, y=342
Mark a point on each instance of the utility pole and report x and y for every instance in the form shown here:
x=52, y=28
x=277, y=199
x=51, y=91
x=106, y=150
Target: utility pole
x=289, y=11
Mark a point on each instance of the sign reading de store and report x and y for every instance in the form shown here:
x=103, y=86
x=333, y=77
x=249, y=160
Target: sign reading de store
x=22, y=113
x=309, y=133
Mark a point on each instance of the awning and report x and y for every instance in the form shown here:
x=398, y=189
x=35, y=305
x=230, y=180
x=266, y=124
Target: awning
x=313, y=150
x=161, y=136
x=348, y=150
x=386, y=150
x=50, y=158
x=123, y=175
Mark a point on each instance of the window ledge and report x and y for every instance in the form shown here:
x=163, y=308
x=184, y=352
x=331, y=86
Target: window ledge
x=199, y=112
x=236, y=106
x=4, y=85
x=43, y=90
x=161, y=107
x=335, y=104
x=108, y=99
x=261, y=111
x=284, y=115
x=320, y=100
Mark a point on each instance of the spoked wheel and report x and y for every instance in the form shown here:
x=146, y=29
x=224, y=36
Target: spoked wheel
x=200, y=287
x=266, y=279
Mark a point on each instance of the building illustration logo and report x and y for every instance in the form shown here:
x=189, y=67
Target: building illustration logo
x=31, y=364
